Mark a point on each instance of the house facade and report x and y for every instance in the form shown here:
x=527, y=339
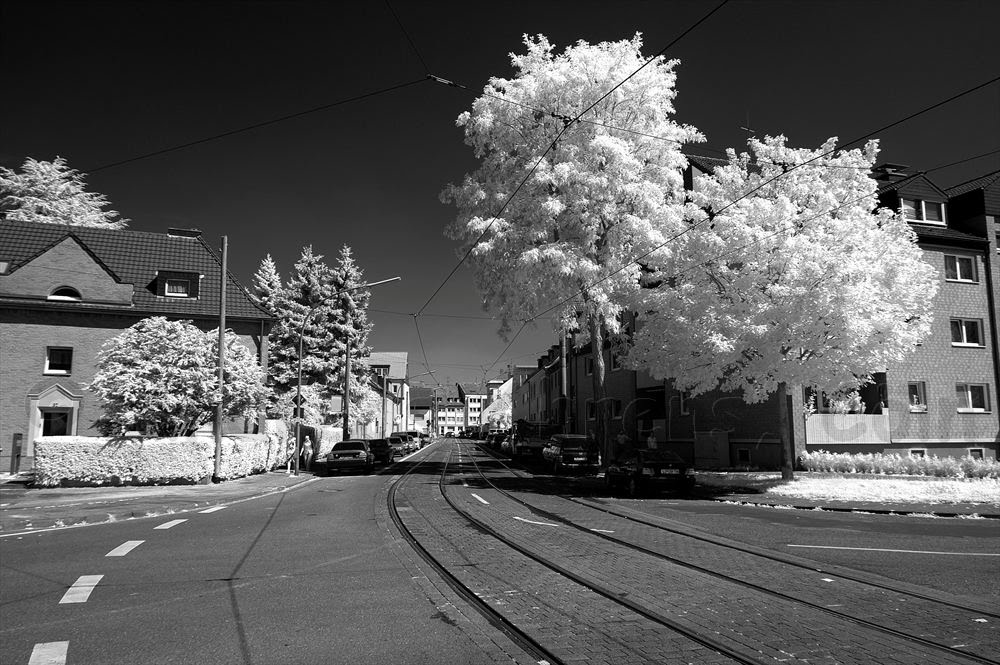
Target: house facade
x=389, y=373
x=65, y=291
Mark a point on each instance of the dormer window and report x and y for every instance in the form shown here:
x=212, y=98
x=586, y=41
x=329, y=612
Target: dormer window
x=65, y=293
x=926, y=212
x=177, y=288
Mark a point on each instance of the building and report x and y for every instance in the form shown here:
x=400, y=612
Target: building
x=449, y=411
x=65, y=291
x=475, y=398
x=421, y=411
x=389, y=373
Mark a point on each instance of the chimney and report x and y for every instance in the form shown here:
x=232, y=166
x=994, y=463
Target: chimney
x=888, y=172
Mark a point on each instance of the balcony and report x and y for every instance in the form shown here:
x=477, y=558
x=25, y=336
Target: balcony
x=839, y=428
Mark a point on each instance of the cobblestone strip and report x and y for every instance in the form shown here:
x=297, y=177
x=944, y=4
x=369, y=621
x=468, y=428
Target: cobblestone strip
x=780, y=629
x=573, y=622
x=922, y=618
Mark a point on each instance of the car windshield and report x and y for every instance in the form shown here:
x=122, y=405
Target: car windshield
x=377, y=443
x=350, y=445
x=395, y=439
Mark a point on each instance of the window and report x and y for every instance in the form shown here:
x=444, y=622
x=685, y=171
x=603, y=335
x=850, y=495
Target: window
x=918, y=452
x=65, y=293
x=976, y=453
x=917, y=210
x=591, y=412
x=178, y=288
x=588, y=366
x=917, y=396
x=960, y=268
x=742, y=455
x=685, y=407
x=4, y=266
x=966, y=332
x=616, y=408
x=973, y=397
x=58, y=360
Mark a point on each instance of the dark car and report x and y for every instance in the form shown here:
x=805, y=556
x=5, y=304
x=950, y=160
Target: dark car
x=382, y=450
x=350, y=454
x=570, y=452
x=644, y=470
x=398, y=445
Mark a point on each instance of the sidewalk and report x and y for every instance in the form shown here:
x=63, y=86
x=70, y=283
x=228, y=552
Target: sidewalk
x=23, y=508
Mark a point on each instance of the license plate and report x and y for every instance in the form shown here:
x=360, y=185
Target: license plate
x=579, y=459
x=670, y=471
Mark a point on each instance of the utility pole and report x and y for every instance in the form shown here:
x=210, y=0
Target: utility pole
x=222, y=359
x=347, y=387
x=563, y=376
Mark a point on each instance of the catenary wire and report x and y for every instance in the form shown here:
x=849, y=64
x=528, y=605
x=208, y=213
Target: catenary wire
x=406, y=34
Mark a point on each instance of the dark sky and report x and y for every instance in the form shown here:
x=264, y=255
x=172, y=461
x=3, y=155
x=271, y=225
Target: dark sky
x=99, y=82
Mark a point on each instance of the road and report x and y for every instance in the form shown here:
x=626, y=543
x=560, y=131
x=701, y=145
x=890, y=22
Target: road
x=321, y=575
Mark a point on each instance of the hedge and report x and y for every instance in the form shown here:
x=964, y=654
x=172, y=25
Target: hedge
x=95, y=461
x=892, y=464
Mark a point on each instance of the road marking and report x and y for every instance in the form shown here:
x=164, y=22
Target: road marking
x=826, y=579
x=49, y=653
x=81, y=589
x=125, y=548
x=481, y=499
x=533, y=522
x=464, y=484
x=602, y=531
x=878, y=549
x=170, y=524
x=211, y=510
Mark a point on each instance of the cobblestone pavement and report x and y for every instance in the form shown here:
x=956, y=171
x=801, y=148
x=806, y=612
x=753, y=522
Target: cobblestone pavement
x=761, y=626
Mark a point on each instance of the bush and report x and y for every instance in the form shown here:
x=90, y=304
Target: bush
x=893, y=464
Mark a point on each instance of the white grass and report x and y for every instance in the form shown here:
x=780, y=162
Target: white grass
x=888, y=490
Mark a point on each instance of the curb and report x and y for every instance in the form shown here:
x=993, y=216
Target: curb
x=845, y=509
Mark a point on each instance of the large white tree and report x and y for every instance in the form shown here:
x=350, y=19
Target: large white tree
x=789, y=275
x=159, y=377
x=544, y=224
x=53, y=193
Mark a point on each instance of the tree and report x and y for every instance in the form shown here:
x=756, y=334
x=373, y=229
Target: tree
x=609, y=188
x=159, y=377
x=53, y=193
x=789, y=275
x=499, y=414
x=350, y=324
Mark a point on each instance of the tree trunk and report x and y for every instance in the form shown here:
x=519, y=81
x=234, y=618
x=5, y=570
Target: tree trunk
x=602, y=415
x=787, y=451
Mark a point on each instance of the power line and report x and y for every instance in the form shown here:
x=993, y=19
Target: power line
x=407, y=35
x=256, y=125
x=962, y=161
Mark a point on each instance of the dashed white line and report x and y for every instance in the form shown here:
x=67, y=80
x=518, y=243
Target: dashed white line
x=170, y=524
x=534, y=522
x=602, y=531
x=49, y=653
x=125, y=548
x=211, y=510
x=878, y=549
x=481, y=499
x=81, y=589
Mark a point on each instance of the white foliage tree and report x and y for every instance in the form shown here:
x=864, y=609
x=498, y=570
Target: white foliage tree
x=500, y=413
x=159, y=377
x=53, y=193
x=609, y=189
x=802, y=282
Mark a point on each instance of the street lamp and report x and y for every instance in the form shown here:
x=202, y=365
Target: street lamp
x=299, y=411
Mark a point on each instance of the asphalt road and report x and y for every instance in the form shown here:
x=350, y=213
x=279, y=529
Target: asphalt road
x=311, y=576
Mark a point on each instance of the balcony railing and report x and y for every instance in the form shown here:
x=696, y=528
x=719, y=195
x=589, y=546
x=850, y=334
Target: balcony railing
x=829, y=428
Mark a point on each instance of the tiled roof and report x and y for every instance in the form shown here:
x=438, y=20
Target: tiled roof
x=134, y=257
x=706, y=164
x=927, y=233
x=395, y=360
x=420, y=397
x=981, y=182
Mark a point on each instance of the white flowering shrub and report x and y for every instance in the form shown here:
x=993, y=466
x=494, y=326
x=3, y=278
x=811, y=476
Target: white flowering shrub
x=891, y=464
x=159, y=377
x=88, y=460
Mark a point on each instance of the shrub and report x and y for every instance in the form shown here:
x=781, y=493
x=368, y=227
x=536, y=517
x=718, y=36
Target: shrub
x=893, y=464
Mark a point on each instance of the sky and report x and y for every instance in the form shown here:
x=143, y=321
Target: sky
x=101, y=83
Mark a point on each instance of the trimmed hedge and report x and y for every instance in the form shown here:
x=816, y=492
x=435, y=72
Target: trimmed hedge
x=95, y=461
x=877, y=463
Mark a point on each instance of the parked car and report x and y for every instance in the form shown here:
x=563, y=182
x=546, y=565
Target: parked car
x=350, y=454
x=382, y=451
x=398, y=445
x=419, y=437
x=409, y=441
x=571, y=452
x=644, y=470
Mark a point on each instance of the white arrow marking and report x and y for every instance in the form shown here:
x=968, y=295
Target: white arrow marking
x=171, y=523
x=125, y=548
x=481, y=499
x=81, y=589
x=533, y=522
x=49, y=653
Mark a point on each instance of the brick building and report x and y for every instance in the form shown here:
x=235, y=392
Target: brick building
x=65, y=291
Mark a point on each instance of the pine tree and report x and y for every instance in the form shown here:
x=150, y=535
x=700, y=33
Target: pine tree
x=53, y=193
x=351, y=321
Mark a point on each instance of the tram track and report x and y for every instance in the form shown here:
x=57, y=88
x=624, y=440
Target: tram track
x=543, y=513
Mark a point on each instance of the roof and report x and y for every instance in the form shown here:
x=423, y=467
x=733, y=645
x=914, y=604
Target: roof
x=942, y=234
x=396, y=361
x=420, y=397
x=470, y=389
x=706, y=164
x=134, y=257
x=982, y=182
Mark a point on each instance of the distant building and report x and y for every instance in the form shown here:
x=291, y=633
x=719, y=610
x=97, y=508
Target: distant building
x=475, y=399
x=389, y=370
x=66, y=290
x=421, y=411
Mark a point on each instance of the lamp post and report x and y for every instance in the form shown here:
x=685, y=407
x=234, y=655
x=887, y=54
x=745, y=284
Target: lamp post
x=299, y=410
